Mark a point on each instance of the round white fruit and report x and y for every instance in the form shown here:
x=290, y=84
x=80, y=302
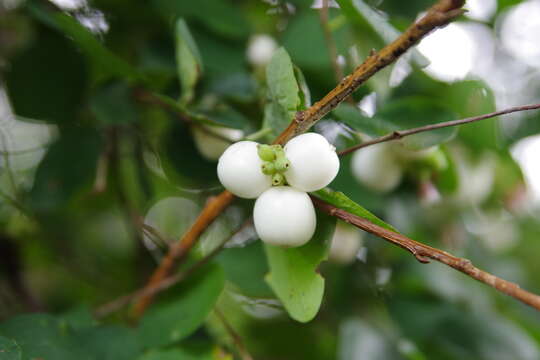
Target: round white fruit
x=377, y=167
x=260, y=49
x=346, y=242
x=284, y=216
x=313, y=162
x=210, y=140
x=239, y=170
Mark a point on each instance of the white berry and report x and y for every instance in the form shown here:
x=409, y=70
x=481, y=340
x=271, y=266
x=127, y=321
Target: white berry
x=284, y=216
x=239, y=170
x=212, y=146
x=346, y=242
x=313, y=162
x=260, y=49
x=377, y=167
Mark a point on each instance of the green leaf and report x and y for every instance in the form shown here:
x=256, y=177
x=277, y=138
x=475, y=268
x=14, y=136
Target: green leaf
x=52, y=88
x=283, y=92
x=106, y=62
x=179, y=317
x=9, y=349
x=107, y=343
x=471, y=98
x=293, y=271
x=188, y=60
x=183, y=352
x=40, y=336
x=341, y=201
x=246, y=267
x=113, y=104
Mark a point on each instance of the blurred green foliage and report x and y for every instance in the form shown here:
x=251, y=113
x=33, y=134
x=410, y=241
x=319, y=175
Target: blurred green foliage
x=96, y=135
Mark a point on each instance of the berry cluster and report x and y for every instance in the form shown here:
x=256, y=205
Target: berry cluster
x=279, y=178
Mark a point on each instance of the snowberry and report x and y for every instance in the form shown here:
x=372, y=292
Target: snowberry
x=240, y=170
x=260, y=49
x=313, y=162
x=284, y=216
x=377, y=167
x=212, y=146
x=346, y=242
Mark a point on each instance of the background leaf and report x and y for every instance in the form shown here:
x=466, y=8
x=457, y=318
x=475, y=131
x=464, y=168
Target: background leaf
x=9, y=349
x=174, y=320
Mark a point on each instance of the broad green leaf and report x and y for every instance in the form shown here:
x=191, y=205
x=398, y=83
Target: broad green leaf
x=41, y=336
x=294, y=276
x=379, y=23
x=113, y=104
x=9, y=349
x=107, y=62
x=52, y=88
x=188, y=60
x=246, y=267
x=189, y=351
x=185, y=311
x=283, y=91
x=107, y=343
x=341, y=201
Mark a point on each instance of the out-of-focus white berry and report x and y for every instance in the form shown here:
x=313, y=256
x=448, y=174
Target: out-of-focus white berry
x=239, y=170
x=260, y=49
x=377, y=167
x=210, y=146
x=346, y=242
x=314, y=162
x=284, y=216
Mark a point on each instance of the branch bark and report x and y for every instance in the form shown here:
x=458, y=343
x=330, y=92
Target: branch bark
x=439, y=15
x=423, y=253
x=396, y=135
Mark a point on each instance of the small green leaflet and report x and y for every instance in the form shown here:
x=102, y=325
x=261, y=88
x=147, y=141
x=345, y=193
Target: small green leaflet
x=341, y=201
x=282, y=91
x=188, y=60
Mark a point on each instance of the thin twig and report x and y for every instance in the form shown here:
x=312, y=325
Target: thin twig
x=439, y=15
x=398, y=134
x=330, y=44
x=237, y=339
x=423, y=253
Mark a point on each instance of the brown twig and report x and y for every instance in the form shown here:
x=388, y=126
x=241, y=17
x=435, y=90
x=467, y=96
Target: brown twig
x=237, y=339
x=330, y=44
x=424, y=253
x=165, y=283
x=439, y=15
x=398, y=134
